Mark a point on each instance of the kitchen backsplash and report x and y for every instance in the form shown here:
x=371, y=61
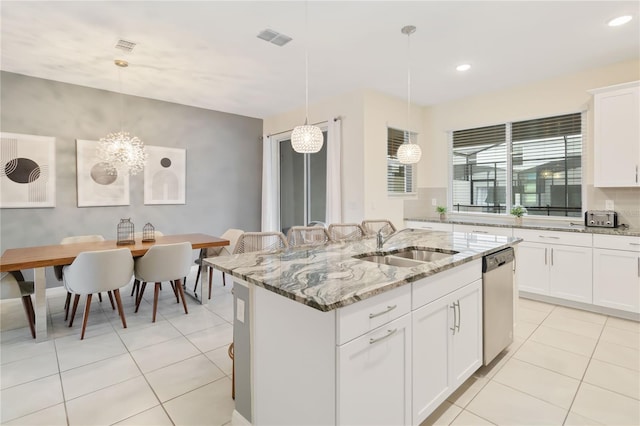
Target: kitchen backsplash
x=422, y=206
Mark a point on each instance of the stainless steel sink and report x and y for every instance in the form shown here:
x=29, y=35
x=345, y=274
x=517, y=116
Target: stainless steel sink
x=424, y=255
x=407, y=258
x=391, y=260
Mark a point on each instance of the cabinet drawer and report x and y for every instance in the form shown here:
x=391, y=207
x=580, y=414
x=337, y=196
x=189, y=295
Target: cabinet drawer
x=616, y=242
x=554, y=237
x=434, y=287
x=361, y=317
x=491, y=230
x=433, y=226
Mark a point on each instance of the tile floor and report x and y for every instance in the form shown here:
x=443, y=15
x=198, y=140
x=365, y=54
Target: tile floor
x=565, y=367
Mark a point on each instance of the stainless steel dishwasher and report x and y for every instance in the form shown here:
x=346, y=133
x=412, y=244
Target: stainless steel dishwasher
x=497, y=307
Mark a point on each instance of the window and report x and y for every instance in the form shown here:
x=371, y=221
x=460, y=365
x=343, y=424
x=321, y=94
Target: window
x=400, y=177
x=544, y=171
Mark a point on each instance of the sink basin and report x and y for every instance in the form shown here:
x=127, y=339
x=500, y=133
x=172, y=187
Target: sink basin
x=391, y=260
x=424, y=255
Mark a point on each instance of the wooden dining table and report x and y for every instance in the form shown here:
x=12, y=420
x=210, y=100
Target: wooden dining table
x=38, y=258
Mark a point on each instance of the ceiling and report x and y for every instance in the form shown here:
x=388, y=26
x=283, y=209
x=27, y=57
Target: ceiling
x=207, y=54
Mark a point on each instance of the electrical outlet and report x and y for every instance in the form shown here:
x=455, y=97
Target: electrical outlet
x=434, y=201
x=240, y=310
x=608, y=205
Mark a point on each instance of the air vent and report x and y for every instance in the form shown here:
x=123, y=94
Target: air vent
x=274, y=37
x=124, y=45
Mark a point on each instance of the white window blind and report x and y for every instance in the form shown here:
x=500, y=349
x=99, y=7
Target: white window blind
x=400, y=177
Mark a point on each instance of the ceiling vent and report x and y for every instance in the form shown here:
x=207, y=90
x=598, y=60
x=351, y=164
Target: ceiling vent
x=274, y=37
x=125, y=46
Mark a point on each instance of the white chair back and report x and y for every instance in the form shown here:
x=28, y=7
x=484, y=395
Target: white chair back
x=371, y=227
x=307, y=236
x=230, y=234
x=11, y=288
x=164, y=262
x=260, y=241
x=82, y=239
x=345, y=231
x=97, y=271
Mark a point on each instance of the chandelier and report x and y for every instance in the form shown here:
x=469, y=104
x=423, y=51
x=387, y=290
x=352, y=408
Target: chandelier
x=306, y=139
x=409, y=153
x=121, y=151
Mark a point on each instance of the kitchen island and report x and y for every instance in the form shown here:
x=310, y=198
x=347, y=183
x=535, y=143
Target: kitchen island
x=346, y=333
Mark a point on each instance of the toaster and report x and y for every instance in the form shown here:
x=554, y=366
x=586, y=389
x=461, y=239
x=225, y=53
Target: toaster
x=601, y=218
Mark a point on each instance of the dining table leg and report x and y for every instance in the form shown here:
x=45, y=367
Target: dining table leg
x=40, y=305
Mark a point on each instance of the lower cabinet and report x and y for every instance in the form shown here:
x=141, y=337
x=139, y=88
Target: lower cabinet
x=447, y=347
x=374, y=376
x=616, y=279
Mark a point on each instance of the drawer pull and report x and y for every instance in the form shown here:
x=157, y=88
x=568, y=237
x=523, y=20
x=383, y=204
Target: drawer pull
x=389, y=309
x=389, y=333
x=552, y=238
x=479, y=232
x=634, y=244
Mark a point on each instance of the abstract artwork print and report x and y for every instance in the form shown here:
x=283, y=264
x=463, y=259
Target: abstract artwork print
x=27, y=171
x=165, y=175
x=96, y=186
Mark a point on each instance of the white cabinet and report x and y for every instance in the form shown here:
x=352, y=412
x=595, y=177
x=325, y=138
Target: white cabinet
x=617, y=135
x=480, y=230
x=447, y=347
x=374, y=377
x=555, y=264
x=432, y=226
x=616, y=272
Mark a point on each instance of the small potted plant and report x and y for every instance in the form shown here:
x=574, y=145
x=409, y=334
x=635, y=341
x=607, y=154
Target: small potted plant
x=518, y=211
x=443, y=212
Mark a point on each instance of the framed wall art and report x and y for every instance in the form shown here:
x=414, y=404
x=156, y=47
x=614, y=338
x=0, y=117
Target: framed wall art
x=96, y=187
x=165, y=175
x=28, y=172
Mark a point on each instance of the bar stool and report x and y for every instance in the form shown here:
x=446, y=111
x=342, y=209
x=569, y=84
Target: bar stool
x=307, y=236
x=371, y=227
x=230, y=234
x=345, y=231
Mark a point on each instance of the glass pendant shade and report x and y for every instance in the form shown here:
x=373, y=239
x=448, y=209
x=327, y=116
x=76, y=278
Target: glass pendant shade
x=307, y=139
x=409, y=153
x=122, y=152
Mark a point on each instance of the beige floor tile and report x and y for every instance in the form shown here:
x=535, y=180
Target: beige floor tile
x=605, y=406
x=28, y=369
x=220, y=357
x=20, y=350
x=159, y=332
x=30, y=397
x=538, y=382
x=98, y=375
x=180, y=378
x=618, y=355
x=52, y=416
x=621, y=337
x=196, y=321
x=565, y=340
x=499, y=361
x=466, y=418
x=623, y=324
x=558, y=360
x=443, y=415
x=112, y=404
x=535, y=305
x=172, y=351
x=155, y=416
x=467, y=391
x=503, y=405
x=531, y=315
x=575, y=326
x=614, y=378
x=212, y=338
x=73, y=352
x=210, y=404
x=563, y=311
x=574, y=419
x=524, y=329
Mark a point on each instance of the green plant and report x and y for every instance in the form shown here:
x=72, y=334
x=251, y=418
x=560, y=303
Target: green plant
x=441, y=209
x=518, y=211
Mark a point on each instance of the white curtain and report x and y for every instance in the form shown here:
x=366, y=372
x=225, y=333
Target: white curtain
x=334, y=171
x=269, y=195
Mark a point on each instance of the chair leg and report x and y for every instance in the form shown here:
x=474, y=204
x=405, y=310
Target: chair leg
x=224, y=282
x=155, y=301
x=100, y=297
x=211, y=280
x=67, y=305
x=116, y=293
x=139, y=298
x=75, y=308
x=113, y=307
x=175, y=291
x=197, y=278
x=135, y=285
x=184, y=302
x=87, y=308
x=28, y=309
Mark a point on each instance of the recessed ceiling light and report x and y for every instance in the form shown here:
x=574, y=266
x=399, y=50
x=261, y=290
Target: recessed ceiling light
x=620, y=20
x=463, y=67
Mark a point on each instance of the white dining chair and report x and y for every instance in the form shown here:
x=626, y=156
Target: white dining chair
x=345, y=231
x=164, y=262
x=96, y=271
x=371, y=227
x=137, y=236
x=13, y=286
x=230, y=234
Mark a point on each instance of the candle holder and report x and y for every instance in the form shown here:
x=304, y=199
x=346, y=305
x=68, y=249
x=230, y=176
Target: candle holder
x=148, y=233
x=125, y=232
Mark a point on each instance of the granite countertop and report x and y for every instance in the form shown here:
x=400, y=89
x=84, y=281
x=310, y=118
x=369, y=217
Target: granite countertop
x=508, y=222
x=328, y=277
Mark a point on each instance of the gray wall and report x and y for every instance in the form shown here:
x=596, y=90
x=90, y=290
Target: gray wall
x=224, y=161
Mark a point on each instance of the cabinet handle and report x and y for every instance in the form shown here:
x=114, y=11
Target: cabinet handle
x=389, y=333
x=638, y=266
x=634, y=244
x=636, y=173
x=389, y=309
x=552, y=256
x=459, y=315
x=552, y=238
x=545, y=255
x=479, y=232
x=453, y=306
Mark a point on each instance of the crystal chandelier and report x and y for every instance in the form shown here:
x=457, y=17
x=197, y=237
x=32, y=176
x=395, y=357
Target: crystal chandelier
x=306, y=139
x=409, y=153
x=121, y=151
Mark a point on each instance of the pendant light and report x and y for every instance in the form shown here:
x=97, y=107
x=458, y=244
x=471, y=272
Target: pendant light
x=306, y=139
x=409, y=153
x=121, y=151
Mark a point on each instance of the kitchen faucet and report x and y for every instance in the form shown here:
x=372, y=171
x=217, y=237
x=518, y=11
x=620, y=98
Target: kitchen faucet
x=380, y=240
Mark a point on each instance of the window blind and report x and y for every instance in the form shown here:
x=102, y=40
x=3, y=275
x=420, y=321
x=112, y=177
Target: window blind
x=400, y=177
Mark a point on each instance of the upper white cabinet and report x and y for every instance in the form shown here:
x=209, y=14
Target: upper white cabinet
x=617, y=135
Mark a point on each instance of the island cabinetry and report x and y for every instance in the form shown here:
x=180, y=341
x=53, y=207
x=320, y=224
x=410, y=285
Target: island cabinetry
x=555, y=264
x=447, y=336
x=616, y=272
x=617, y=135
